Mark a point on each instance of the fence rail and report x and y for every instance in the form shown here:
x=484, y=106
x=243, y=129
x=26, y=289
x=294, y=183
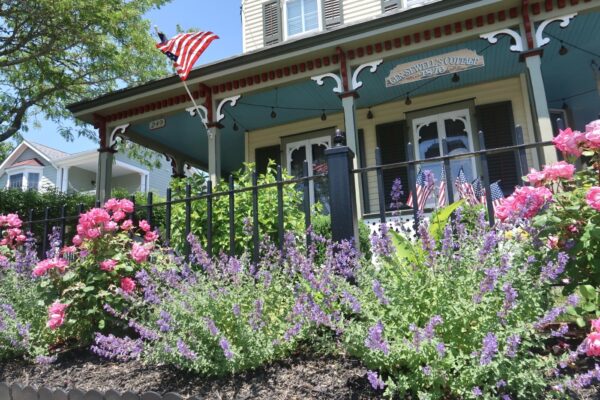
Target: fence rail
x=343, y=208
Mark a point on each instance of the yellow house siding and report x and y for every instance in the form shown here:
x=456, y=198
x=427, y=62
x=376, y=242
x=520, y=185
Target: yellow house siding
x=505, y=90
x=252, y=24
x=360, y=10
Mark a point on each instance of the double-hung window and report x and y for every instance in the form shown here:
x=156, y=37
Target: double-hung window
x=301, y=16
x=15, y=181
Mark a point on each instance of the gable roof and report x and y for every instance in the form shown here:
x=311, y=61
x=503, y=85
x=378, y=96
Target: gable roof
x=51, y=153
x=45, y=153
x=34, y=162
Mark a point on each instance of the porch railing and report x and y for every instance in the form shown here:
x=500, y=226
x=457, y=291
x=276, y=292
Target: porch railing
x=343, y=207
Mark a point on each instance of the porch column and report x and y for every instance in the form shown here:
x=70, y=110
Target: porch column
x=143, y=183
x=540, y=103
x=104, y=174
x=350, y=120
x=64, y=184
x=214, y=152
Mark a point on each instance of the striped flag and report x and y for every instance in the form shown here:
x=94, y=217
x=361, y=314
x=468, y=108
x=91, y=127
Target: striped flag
x=479, y=191
x=497, y=194
x=464, y=188
x=441, y=200
x=184, y=49
x=424, y=190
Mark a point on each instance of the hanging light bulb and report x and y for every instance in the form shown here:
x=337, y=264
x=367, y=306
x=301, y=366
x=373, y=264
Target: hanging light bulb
x=370, y=114
x=563, y=50
x=235, y=126
x=455, y=78
x=323, y=116
x=273, y=113
x=408, y=101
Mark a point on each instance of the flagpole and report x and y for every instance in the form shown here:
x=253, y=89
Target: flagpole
x=187, y=89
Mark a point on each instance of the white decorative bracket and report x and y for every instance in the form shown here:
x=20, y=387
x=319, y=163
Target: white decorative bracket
x=492, y=38
x=540, y=40
x=233, y=100
x=119, y=130
x=356, y=84
x=319, y=80
x=196, y=110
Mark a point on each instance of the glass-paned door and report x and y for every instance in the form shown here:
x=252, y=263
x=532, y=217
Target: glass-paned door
x=453, y=126
x=313, y=151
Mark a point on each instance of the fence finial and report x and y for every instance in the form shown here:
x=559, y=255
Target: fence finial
x=340, y=138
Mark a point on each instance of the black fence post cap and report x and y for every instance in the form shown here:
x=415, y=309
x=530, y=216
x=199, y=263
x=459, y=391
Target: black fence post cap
x=340, y=138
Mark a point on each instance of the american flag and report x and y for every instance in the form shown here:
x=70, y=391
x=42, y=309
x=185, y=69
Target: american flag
x=441, y=201
x=479, y=191
x=184, y=49
x=465, y=188
x=423, y=192
x=497, y=194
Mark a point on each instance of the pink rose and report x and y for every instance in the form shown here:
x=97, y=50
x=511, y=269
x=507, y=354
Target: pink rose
x=51, y=263
x=150, y=236
x=559, y=170
x=596, y=325
x=145, y=226
x=118, y=216
x=139, y=253
x=568, y=141
x=93, y=233
x=128, y=285
x=593, y=344
x=77, y=240
x=592, y=140
x=13, y=221
x=108, y=265
x=127, y=225
x=126, y=206
x=536, y=178
x=111, y=205
x=593, y=197
x=56, y=315
x=552, y=242
x=111, y=226
x=525, y=202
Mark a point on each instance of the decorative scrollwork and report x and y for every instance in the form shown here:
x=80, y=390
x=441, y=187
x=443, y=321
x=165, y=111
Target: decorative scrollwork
x=540, y=40
x=319, y=80
x=356, y=84
x=233, y=100
x=196, y=110
x=492, y=38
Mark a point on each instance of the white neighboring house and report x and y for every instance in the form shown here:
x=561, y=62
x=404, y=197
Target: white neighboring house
x=38, y=167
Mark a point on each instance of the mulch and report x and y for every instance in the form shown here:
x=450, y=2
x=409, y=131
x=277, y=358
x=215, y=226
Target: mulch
x=297, y=378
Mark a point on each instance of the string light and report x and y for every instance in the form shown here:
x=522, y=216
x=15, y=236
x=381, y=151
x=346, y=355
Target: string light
x=323, y=116
x=455, y=78
x=235, y=126
x=408, y=101
x=370, y=114
x=273, y=113
x=563, y=50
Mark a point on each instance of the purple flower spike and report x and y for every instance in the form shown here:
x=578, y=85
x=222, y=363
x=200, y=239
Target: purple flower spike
x=375, y=380
x=375, y=340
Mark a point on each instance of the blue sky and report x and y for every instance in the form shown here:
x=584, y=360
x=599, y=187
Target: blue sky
x=221, y=17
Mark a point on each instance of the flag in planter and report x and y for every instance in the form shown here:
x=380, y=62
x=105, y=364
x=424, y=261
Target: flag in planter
x=184, y=49
x=424, y=190
x=497, y=194
x=465, y=188
x=441, y=200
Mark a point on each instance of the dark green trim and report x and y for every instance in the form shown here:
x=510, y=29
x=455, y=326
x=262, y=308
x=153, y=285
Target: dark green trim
x=285, y=47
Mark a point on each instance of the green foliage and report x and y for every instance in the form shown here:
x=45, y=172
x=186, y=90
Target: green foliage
x=267, y=210
x=56, y=52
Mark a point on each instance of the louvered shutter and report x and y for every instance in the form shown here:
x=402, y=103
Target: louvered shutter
x=389, y=5
x=272, y=23
x=332, y=13
x=262, y=156
x=391, y=139
x=496, y=122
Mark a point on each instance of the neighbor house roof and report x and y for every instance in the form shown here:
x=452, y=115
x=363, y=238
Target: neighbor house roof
x=51, y=153
x=34, y=162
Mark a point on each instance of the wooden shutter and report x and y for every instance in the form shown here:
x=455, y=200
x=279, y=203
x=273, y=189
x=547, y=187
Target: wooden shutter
x=264, y=154
x=332, y=13
x=272, y=23
x=391, y=139
x=389, y=5
x=496, y=122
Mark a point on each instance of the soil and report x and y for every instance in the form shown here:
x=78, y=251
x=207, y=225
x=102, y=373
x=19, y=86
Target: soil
x=298, y=378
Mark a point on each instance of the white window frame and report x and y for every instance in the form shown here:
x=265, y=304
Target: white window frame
x=285, y=20
x=307, y=144
x=25, y=171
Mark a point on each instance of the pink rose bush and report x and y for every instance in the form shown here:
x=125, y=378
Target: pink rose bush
x=593, y=197
x=11, y=234
x=592, y=342
x=575, y=143
x=56, y=315
x=525, y=202
x=42, y=268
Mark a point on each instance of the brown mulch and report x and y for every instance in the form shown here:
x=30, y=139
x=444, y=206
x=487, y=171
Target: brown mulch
x=298, y=378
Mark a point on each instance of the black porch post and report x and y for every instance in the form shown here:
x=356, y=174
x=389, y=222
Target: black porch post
x=344, y=220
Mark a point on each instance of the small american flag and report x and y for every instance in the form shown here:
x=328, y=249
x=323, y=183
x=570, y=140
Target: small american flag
x=479, y=191
x=497, y=194
x=441, y=201
x=464, y=188
x=423, y=192
x=184, y=49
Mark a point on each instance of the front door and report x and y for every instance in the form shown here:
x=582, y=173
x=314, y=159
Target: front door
x=313, y=151
x=455, y=127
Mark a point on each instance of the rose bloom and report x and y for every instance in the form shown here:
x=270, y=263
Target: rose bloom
x=77, y=240
x=596, y=325
x=127, y=225
x=51, y=263
x=118, y=216
x=552, y=242
x=111, y=226
x=559, y=170
x=145, y=226
x=150, y=236
x=112, y=205
x=108, y=265
x=593, y=197
x=525, y=202
x=592, y=135
x=536, y=177
x=593, y=344
x=126, y=206
x=139, y=253
x=128, y=285
x=56, y=315
x=568, y=141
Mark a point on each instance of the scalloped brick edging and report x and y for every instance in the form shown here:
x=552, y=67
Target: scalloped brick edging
x=18, y=392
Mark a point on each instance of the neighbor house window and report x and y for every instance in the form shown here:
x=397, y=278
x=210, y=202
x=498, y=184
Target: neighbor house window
x=301, y=16
x=33, y=180
x=16, y=181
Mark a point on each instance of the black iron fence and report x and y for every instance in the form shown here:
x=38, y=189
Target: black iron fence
x=343, y=207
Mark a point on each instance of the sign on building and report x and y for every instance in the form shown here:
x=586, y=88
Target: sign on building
x=443, y=64
x=157, y=124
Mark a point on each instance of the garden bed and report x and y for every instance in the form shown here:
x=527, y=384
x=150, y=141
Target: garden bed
x=297, y=378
